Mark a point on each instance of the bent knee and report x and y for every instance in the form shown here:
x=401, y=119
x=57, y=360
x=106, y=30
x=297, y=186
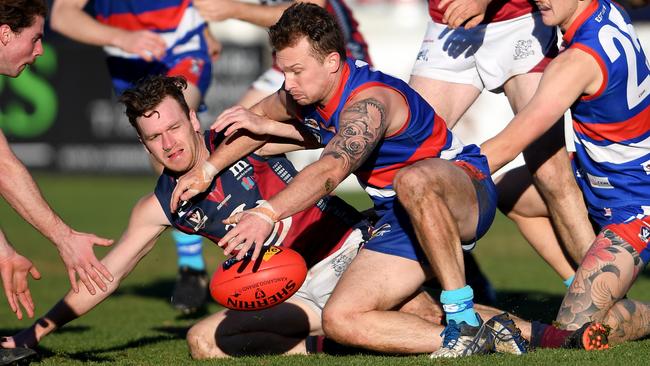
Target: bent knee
x=413, y=182
x=202, y=343
x=341, y=326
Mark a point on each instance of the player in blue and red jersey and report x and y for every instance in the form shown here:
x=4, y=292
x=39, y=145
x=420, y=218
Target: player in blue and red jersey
x=151, y=37
x=265, y=14
x=328, y=234
x=603, y=75
x=377, y=127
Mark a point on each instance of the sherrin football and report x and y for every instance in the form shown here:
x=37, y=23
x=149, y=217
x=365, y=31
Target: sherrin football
x=246, y=285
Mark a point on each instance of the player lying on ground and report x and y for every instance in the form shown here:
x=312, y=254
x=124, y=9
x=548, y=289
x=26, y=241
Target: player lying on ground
x=603, y=75
x=327, y=234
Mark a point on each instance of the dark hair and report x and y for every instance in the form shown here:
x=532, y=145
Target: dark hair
x=19, y=14
x=314, y=22
x=141, y=99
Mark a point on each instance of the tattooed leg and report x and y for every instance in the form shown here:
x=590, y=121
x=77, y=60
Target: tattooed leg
x=603, y=278
x=629, y=320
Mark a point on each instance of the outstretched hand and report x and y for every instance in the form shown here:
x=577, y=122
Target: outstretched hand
x=469, y=13
x=13, y=270
x=76, y=250
x=144, y=43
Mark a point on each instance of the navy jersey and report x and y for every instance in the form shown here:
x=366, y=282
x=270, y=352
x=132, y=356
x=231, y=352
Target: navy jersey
x=423, y=134
x=315, y=232
x=612, y=127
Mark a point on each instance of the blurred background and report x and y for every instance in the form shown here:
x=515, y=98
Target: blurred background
x=60, y=115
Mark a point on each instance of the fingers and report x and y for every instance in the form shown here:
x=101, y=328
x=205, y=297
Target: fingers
x=9, y=293
x=25, y=300
x=86, y=281
x=73, y=279
x=102, y=241
x=35, y=273
x=188, y=194
x=103, y=270
x=474, y=21
x=233, y=219
x=176, y=198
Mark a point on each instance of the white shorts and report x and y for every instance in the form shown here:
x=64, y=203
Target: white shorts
x=487, y=55
x=270, y=81
x=324, y=275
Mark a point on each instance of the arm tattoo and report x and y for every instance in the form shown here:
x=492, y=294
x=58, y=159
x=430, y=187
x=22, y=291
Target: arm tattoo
x=361, y=128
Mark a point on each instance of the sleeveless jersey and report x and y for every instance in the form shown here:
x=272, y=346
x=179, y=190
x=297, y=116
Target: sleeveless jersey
x=423, y=135
x=612, y=127
x=176, y=21
x=355, y=45
x=315, y=232
x=497, y=10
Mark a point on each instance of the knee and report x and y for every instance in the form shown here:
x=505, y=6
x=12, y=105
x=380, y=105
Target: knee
x=339, y=325
x=202, y=344
x=412, y=183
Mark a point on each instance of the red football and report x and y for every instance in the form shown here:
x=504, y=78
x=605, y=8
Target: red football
x=246, y=285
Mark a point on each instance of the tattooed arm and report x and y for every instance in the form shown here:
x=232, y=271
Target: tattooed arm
x=362, y=125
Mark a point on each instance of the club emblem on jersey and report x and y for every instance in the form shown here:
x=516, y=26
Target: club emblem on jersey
x=523, y=49
x=608, y=212
x=196, y=218
x=423, y=55
x=644, y=235
x=248, y=183
x=340, y=264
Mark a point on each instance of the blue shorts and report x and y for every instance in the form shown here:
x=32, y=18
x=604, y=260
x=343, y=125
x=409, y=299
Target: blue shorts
x=394, y=233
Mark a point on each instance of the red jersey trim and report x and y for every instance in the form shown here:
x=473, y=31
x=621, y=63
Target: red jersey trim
x=162, y=19
x=603, y=70
x=618, y=131
x=582, y=17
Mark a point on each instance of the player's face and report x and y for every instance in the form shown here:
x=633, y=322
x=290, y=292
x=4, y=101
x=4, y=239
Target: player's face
x=21, y=48
x=558, y=12
x=307, y=79
x=170, y=136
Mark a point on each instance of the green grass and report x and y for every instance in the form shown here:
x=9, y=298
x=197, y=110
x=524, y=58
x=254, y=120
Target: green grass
x=136, y=326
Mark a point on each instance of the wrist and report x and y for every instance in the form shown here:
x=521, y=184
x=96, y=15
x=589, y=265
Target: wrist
x=265, y=211
x=209, y=170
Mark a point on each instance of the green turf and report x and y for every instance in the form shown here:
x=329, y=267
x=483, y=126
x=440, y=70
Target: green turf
x=136, y=326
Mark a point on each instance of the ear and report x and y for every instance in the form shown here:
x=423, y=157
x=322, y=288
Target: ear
x=194, y=120
x=333, y=62
x=5, y=34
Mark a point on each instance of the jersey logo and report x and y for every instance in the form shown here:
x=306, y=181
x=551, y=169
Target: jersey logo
x=240, y=168
x=523, y=49
x=644, y=235
x=312, y=126
x=196, y=218
x=248, y=183
x=646, y=167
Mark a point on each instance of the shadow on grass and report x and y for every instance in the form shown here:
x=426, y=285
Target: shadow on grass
x=538, y=306
x=158, y=289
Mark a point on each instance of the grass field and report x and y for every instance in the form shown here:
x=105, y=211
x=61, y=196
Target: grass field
x=136, y=326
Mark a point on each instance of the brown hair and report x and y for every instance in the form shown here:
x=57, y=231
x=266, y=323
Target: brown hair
x=19, y=14
x=314, y=22
x=141, y=99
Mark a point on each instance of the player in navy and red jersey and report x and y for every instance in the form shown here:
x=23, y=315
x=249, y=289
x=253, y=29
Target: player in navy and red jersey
x=151, y=37
x=265, y=14
x=377, y=127
x=603, y=75
x=328, y=234
x=503, y=46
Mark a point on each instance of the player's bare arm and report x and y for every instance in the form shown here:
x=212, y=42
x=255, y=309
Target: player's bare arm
x=69, y=18
x=466, y=13
x=262, y=15
x=146, y=223
x=14, y=270
x=571, y=75
x=75, y=248
x=247, y=130
x=362, y=125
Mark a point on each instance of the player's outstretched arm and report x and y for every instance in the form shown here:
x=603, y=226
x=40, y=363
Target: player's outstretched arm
x=14, y=270
x=69, y=19
x=568, y=77
x=147, y=222
x=362, y=125
x=75, y=248
x=262, y=15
